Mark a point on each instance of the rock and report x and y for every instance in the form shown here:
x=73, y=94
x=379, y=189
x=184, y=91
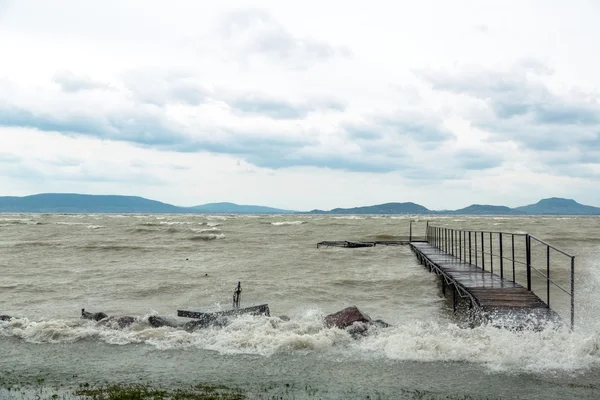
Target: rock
x=5, y=317
x=93, y=316
x=381, y=323
x=346, y=317
x=156, y=322
x=117, y=322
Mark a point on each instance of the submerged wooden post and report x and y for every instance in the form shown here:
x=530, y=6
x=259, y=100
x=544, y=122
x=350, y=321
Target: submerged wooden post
x=237, y=296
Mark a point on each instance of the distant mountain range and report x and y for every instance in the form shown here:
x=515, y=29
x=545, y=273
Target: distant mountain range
x=82, y=203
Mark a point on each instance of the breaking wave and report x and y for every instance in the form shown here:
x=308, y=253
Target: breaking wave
x=552, y=349
x=282, y=223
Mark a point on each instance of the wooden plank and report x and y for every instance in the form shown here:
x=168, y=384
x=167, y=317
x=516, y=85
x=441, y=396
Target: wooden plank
x=262, y=309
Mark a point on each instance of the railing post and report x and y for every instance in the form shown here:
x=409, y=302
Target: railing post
x=491, y=255
x=470, y=247
x=410, y=231
x=528, y=260
x=475, y=235
x=572, y=292
x=446, y=234
x=548, y=276
x=501, y=257
x=513, y=255
x=464, y=245
x=482, y=253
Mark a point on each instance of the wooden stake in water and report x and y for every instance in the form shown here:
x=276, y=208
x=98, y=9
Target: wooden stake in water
x=237, y=296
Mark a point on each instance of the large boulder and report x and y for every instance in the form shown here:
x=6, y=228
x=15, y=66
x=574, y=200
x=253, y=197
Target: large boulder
x=346, y=317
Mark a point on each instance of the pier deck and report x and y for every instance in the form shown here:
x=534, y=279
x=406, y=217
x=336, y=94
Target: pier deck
x=487, y=291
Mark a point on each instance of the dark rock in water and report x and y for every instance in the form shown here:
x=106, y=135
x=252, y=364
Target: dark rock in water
x=124, y=321
x=93, y=316
x=156, y=322
x=5, y=317
x=117, y=322
x=346, y=317
x=381, y=323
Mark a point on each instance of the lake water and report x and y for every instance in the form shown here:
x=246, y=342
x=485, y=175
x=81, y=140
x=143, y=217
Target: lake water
x=142, y=265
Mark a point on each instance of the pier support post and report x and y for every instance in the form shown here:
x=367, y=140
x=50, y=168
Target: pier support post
x=454, y=298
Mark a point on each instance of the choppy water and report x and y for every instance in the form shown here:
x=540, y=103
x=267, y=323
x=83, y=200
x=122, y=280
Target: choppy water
x=54, y=265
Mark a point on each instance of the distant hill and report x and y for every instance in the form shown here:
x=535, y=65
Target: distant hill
x=232, y=208
x=387, y=208
x=480, y=209
x=558, y=206
x=83, y=203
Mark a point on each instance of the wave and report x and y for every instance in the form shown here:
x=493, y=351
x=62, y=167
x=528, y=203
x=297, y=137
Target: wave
x=207, y=237
x=211, y=229
x=95, y=227
x=281, y=223
x=551, y=349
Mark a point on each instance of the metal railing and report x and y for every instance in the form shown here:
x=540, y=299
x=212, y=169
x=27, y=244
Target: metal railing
x=513, y=256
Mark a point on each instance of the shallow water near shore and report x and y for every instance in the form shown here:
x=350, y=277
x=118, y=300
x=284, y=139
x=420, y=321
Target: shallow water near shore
x=142, y=265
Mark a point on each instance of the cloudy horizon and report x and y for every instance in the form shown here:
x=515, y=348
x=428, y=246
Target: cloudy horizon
x=307, y=105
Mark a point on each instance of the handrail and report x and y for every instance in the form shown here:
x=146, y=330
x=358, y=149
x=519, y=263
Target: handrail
x=470, y=245
x=552, y=247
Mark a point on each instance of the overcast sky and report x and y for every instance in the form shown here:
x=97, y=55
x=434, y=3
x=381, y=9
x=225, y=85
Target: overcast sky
x=302, y=105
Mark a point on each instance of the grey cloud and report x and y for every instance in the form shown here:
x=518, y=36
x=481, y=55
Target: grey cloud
x=69, y=82
x=141, y=126
x=399, y=126
x=523, y=109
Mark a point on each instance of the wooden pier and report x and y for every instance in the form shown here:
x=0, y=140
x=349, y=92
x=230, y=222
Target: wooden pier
x=493, y=296
x=495, y=272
